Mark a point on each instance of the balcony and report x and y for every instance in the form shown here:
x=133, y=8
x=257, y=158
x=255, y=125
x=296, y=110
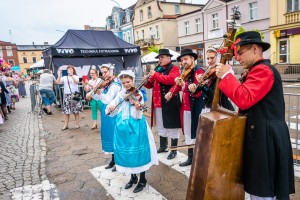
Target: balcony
x=145, y=43
x=292, y=17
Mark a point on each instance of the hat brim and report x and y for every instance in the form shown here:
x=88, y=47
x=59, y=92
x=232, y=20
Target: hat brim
x=265, y=46
x=187, y=54
x=163, y=54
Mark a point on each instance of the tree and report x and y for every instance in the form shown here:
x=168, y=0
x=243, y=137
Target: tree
x=242, y=29
x=152, y=49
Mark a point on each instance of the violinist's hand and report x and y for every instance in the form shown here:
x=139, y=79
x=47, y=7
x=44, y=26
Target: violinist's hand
x=168, y=96
x=137, y=105
x=152, y=72
x=111, y=107
x=86, y=82
x=179, y=81
x=192, y=87
x=221, y=69
x=98, y=92
x=200, y=79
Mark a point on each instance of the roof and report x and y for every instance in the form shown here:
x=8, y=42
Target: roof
x=32, y=47
x=88, y=43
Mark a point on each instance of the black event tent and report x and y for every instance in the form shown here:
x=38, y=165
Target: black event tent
x=86, y=48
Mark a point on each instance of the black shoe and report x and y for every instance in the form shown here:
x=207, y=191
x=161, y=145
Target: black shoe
x=172, y=155
x=162, y=149
x=140, y=186
x=114, y=169
x=186, y=163
x=132, y=181
x=45, y=110
x=190, y=158
x=110, y=165
x=49, y=113
x=163, y=144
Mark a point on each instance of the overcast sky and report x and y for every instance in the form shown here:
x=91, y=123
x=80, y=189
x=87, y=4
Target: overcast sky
x=27, y=21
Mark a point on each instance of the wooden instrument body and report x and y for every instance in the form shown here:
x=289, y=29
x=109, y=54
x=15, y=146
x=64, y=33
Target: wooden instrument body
x=216, y=171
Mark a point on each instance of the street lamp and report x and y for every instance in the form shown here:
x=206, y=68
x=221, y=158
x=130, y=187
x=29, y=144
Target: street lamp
x=116, y=3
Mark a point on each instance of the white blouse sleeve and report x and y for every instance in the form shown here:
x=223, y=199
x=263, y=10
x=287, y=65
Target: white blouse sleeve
x=114, y=102
x=111, y=93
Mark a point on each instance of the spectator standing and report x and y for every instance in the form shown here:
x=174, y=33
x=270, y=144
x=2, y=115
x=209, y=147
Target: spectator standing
x=70, y=106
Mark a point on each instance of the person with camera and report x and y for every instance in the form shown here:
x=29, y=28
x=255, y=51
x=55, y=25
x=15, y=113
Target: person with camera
x=72, y=99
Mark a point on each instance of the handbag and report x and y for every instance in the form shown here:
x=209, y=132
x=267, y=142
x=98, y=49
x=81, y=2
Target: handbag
x=76, y=96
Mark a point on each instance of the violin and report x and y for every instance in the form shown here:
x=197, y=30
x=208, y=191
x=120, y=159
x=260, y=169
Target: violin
x=104, y=84
x=187, y=72
x=133, y=94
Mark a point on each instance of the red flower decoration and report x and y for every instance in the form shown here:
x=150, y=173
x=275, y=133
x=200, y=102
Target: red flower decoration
x=235, y=46
x=223, y=50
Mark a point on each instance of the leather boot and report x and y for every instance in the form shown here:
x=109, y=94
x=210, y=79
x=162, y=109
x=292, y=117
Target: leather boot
x=190, y=158
x=111, y=163
x=133, y=180
x=163, y=144
x=173, y=153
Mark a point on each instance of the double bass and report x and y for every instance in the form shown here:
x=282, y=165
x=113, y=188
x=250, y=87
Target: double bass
x=216, y=171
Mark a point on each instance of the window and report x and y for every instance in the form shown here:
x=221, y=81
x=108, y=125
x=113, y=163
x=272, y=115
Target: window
x=127, y=17
x=149, y=12
x=177, y=9
x=34, y=59
x=283, y=51
x=292, y=5
x=141, y=15
x=12, y=62
x=187, y=28
x=124, y=37
x=9, y=51
x=143, y=34
x=1, y=52
x=137, y=36
x=198, y=25
x=253, y=10
x=157, y=32
x=128, y=37
x=215, y=21
x=24, y=59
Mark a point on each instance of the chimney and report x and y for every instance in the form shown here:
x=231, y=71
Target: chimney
x=32, y=43
x=46, y=43
x=182, y=1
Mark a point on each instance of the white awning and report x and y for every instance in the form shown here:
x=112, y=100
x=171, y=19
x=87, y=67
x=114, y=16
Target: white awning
x=38, y=64
x=150, y=57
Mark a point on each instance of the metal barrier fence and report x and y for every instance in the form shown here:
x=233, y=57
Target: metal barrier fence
x=60, y=91
x=292, y=116
x=289, y=72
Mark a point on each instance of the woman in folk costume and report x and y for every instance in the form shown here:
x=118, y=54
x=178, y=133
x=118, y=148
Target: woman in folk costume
x=106, y=95
x=134, y=145
x=192, y=103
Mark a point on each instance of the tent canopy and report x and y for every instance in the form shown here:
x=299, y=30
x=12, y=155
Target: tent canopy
x=150, y=57
x=38, y=64
x=87, y=49
x=79, y=43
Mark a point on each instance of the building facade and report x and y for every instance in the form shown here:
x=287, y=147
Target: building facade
x=120, y=23
x=30, y=54
x=285, y=32
x=155, y=24
x=8, y=51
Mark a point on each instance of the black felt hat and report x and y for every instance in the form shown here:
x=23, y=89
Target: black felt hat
x=251, y=37
x=163, y=52
x=185, y=52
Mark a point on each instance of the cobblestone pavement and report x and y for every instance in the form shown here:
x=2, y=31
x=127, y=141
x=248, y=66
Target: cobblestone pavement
x=22, y=156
